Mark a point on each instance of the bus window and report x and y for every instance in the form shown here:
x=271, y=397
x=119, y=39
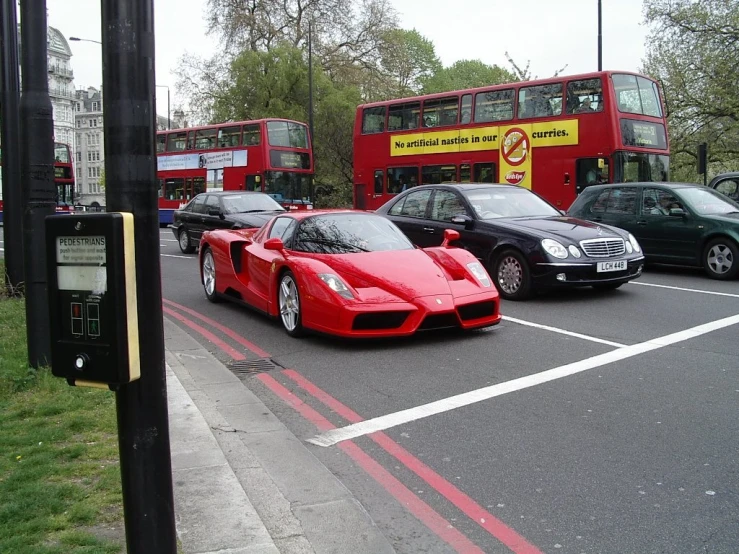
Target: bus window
x=198, y=185
x=252, y=135
x=440, y=113
x=228, y=136
x=378, y=181
x=540, y=101
x=205, y=139
x=637, y=95
x=401, y=178
x=466, y=113
x=485, y=173
x=174, y=189
x=190, y=140
x=176, y=141
x=585, y=96
x=437, y=174
x=464, y=173
x=373, y=120
x=160, y=183
x=287, y=133
x=589, y=173
x=161, y=143
x=403, y=116
x=495, y=105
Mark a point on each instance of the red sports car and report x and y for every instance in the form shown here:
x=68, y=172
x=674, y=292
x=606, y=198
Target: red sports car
x=347, y=273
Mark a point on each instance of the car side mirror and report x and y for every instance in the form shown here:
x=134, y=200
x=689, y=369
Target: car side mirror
x=450, y=235
x=275, y=243
x=677, y=212
x=463, y=219
x=213, y=211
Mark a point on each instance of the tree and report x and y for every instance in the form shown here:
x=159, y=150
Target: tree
x=101, y=180
x=408, y=59
x=694, y=52
x=467, y=74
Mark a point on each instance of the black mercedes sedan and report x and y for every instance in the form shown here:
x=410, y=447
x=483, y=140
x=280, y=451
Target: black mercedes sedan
x=221, y=210
x=525, y=243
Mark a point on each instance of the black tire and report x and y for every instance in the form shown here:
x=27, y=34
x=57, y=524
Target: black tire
x=183, y=239
x=208, y=272
x=512, y=275
x=721, y=259
x=288, y=305
x=607, y=286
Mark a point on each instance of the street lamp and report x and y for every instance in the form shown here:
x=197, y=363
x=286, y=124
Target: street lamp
x=169, y=119
x=77, y=39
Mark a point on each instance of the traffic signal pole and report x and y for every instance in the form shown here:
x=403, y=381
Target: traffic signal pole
x=130, y=174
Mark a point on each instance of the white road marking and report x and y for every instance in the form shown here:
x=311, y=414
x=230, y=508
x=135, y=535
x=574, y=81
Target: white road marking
x=563, y=331
x=699, y=291
x=369, y=426
x=168, y=240
x=173, y=256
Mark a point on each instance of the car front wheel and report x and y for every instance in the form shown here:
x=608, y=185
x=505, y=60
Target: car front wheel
x=721, y=259
x=208, y=269
x=512, y=275
x=184, y=241
x=288, y=302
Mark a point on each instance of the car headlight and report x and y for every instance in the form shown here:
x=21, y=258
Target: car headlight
x=479, y=272
x=634, y=243
x=629, y=248
x=335, y=284
x=574, y=251
x=553, y=248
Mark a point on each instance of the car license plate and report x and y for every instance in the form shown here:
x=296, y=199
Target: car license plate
x=615, y=265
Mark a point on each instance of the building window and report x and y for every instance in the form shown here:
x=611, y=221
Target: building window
x=94, y=106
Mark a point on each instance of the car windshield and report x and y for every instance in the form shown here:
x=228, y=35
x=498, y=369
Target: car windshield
x=494, y=203
x=349, y=232
x=245, y=203
x=705, y=201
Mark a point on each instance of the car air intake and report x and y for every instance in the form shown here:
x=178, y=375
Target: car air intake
x=603, y=248
x=440, y=321
x=476, y=310
x=379, y=320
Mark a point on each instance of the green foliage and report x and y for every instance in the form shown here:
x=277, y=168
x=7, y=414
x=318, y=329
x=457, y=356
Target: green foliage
x=409, y=59
x=693, y=49
x=466, y=74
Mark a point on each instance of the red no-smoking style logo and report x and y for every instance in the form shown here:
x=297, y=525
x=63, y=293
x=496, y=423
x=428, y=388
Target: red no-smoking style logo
x=515, y=147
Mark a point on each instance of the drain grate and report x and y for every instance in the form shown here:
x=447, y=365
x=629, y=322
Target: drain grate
x=251, y=367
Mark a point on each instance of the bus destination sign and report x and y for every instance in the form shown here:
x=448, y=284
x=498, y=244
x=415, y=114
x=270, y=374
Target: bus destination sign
x=644, y=134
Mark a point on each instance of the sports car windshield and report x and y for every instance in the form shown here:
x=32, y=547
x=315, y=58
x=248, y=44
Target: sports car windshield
x=348, y=233
x=709, y=202
x=246, y=203
x=494, y=203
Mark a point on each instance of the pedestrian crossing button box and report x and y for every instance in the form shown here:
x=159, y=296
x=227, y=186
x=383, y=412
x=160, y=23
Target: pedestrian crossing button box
x=92, y=299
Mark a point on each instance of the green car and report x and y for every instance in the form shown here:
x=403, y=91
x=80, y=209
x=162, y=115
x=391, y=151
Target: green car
x=675, y=223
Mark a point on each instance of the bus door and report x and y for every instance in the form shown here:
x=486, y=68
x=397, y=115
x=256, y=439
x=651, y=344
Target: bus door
x=360, y=196
x=253, y=183
x=590, y=171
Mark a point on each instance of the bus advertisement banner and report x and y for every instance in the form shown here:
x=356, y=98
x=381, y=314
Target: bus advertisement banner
x=514, y=143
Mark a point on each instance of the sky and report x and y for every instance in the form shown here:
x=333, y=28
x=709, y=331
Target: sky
x=551, y=34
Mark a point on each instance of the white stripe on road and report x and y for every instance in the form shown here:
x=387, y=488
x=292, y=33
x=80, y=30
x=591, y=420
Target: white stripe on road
x=563, y=332
x=173, y=256
x=686, y=290
x=369, y=426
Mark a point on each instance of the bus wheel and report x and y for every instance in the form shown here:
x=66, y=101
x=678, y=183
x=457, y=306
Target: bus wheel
x=512, y=275
x=184, y=240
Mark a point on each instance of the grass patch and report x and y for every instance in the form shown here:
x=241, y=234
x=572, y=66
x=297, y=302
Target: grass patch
x=59, y=470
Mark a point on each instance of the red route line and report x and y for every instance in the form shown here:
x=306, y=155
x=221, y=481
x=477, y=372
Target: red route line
x=235, y=354
x=425, y=513
x=467, y=505
x=223, y=329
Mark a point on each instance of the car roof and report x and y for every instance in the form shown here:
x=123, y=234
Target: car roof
x=467, y=186
x=670, y=185
x=303, y=214
x=229, y=192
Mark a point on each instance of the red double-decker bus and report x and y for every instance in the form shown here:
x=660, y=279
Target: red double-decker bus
x=273, y=156
x=63, y=179
x=554, y=136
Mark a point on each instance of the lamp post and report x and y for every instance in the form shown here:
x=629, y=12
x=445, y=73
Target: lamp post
x=169, y=118
x=600, y=36
x=77, y=39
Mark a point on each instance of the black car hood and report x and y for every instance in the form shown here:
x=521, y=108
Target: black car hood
x=565, y=228
x=255, y=219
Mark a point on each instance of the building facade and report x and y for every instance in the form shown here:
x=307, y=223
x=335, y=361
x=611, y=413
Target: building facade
x=89, y=157
x=61, y=86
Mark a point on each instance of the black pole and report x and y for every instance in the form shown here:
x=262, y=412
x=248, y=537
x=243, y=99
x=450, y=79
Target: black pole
x=11, y=151
x=37, y=175
x=310, y=81
x=600, y=37
x=130, y=170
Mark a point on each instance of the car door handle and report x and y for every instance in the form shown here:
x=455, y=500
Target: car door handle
x=597, y=219
x=641, y=222
x=428, y=229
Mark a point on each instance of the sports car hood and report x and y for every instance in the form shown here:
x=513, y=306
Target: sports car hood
x=565, y=227
x=407, y=274
x=256, y=219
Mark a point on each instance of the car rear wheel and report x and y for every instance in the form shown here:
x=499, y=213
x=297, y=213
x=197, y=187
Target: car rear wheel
x=721, y=259
x=512, y=275
x=288, y=302
x=184, y=241
x=208, y=268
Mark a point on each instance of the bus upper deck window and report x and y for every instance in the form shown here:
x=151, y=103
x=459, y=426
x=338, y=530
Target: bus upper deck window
x=252, y=135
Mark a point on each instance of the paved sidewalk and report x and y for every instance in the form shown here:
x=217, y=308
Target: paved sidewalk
x=243, y=483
